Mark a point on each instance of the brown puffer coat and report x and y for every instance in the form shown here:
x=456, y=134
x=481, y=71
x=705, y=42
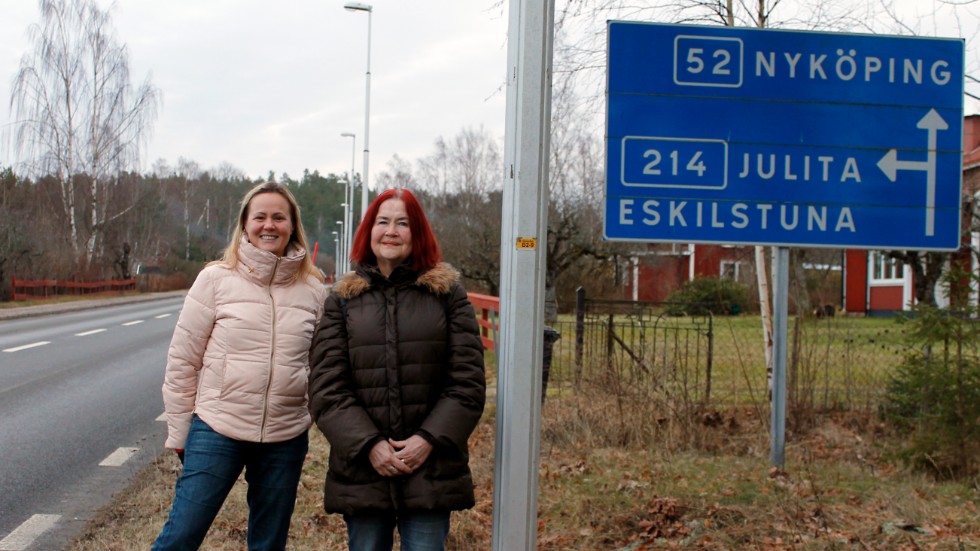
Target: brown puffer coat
x=408, y=360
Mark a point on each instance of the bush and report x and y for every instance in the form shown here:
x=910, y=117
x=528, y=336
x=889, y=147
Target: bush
x=703, y=295
x=934, y=396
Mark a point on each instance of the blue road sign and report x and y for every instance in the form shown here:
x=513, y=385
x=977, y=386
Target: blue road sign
x=755, y=136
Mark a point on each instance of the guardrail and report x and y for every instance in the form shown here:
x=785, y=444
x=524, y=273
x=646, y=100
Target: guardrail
x=46, y=288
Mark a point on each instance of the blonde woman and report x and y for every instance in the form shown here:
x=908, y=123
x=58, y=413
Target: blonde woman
x=235, y=389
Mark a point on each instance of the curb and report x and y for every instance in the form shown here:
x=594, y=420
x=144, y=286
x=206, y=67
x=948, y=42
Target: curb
x=74, y=306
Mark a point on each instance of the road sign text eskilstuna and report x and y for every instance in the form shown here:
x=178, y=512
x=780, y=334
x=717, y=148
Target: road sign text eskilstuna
x=792, y=138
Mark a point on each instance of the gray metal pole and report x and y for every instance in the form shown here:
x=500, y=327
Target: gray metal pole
x=367, y=123
x=522, y=263
x=341, y=268
x=350, y=205
x=349, y=200
x=780, y=315
x=345, y=246
x=358, y=6
x=336, y=258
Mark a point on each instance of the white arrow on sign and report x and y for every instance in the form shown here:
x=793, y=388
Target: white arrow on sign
x=890, y=164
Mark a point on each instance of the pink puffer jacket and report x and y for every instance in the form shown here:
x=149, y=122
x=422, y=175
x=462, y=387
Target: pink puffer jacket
x=239, y=357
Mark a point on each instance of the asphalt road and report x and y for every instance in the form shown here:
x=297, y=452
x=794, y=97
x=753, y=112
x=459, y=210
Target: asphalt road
x=79, y=408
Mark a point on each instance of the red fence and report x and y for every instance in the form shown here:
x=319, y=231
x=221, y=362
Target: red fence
x=487, y=310
x=47, y=288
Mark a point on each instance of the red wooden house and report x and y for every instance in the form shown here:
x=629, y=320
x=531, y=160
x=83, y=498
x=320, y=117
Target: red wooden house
x=663, y=267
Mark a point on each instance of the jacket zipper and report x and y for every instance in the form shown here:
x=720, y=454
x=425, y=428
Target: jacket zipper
x=272, y=353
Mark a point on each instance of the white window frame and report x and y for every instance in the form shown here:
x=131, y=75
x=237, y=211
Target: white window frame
x=883, y=270
x=736, y=272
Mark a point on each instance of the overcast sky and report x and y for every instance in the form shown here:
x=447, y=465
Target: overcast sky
x=267, y=85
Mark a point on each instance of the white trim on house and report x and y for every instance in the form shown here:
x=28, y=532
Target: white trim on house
x=735, y=265
x=884, y=271
x=889, y=272
x=636, y=278
x=690, y=262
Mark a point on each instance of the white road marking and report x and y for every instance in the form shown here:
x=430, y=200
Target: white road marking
x=25, y=347
x=87, y=333
x=118, y=457
x=128, y=323
x=25, y=534
x=162, y=417
x=162, y=316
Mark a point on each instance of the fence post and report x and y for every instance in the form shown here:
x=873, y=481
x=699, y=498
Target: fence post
x=610, y=340
x=484, y=332
x=493, y=328
x=710, y=358
x=579, y=331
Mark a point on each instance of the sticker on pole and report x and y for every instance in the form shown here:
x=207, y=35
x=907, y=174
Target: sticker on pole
x=527, y=243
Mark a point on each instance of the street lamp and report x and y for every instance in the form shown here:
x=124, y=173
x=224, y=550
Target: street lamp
x=348, y=212
x=344, y=242
x=342, y=255
x=358, y=6
x=336, y=257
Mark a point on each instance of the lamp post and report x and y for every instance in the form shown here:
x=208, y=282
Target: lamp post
x=336, y=257
x=358, y=6
x=344, y=243
x=342, y=255
x=348, y=212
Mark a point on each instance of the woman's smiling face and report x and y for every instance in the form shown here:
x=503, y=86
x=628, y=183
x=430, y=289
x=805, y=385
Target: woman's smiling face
x=268, y=223
x=391, y=236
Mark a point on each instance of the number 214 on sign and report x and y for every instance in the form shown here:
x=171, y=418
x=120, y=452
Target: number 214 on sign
x=674, y=162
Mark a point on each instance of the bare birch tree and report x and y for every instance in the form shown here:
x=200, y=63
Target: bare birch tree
x=398, y=174
x=78, y=118
x=468, y=163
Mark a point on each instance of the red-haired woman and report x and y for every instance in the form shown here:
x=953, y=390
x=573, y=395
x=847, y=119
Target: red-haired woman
x=397, y=383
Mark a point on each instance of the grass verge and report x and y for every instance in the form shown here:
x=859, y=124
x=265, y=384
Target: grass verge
x=839, y=490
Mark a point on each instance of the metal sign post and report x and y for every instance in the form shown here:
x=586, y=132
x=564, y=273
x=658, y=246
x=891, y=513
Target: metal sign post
x=780, y=317
x=522, y=263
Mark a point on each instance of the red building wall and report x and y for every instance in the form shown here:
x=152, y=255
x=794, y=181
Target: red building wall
x=659, y=276
x=856, y=281
x=886, y=298
x=662, y=274
x=707, y=260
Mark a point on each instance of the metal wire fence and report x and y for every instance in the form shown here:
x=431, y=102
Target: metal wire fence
x=833, y=363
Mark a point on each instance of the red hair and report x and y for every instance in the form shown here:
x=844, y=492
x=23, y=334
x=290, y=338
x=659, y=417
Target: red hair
x=425, y=248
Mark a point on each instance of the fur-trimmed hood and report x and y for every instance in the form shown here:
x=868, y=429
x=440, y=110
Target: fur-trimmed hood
x=439, y=280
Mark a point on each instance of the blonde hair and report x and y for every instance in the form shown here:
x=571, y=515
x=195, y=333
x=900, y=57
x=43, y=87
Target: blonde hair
x=230, y=257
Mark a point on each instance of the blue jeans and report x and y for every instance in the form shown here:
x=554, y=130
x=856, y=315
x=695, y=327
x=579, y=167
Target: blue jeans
x=419, y=530
x=212, y=463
